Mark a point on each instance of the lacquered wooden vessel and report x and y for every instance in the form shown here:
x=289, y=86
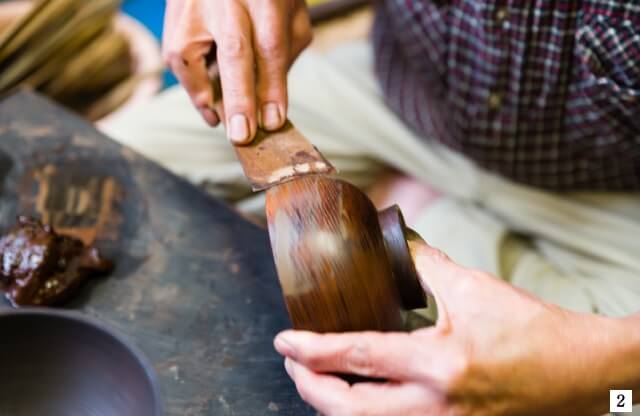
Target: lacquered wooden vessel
x=342, y=265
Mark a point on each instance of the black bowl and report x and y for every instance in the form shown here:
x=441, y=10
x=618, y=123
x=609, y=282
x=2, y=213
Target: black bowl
x=58, y=363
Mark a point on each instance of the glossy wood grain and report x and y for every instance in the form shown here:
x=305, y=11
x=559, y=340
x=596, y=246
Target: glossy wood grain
x=331, y=257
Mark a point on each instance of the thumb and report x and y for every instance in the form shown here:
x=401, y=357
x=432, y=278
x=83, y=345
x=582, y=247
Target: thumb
x=439, y=276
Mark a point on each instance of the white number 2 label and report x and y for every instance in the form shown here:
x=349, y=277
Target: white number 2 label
x=620, y=401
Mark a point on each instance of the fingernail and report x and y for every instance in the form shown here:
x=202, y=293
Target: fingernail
x=284, y=347
x=288, y=365
x=238, y=128
x=210, y=116
x=270, y=116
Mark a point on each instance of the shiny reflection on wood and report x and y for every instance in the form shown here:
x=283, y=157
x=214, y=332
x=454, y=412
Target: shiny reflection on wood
x=331, y=257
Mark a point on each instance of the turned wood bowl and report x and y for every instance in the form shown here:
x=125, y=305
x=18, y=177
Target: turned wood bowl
x=62, y=364
x=342, y=265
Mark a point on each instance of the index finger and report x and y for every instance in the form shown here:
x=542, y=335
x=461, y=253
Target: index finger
x=237, y=74
x=271, y=37
x=332, y=396
x=186, y=43
x=395, y=356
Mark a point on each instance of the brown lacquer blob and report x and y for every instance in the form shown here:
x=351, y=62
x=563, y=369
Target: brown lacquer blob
x=41, y=268
x=330, y=256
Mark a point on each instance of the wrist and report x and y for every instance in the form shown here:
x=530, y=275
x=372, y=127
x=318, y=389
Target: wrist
x=630, y=354
x=611, y=359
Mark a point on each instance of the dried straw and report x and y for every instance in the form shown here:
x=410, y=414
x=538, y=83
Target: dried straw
x=69, y=50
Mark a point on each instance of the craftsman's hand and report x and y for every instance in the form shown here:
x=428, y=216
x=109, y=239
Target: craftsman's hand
x=495, y=350
x=255, y=43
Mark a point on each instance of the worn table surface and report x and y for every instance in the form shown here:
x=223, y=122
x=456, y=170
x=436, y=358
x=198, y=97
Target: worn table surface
x=195, y=287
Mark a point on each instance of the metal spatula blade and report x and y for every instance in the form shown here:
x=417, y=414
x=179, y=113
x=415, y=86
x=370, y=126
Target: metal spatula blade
x=279, y=156
x=274, y=157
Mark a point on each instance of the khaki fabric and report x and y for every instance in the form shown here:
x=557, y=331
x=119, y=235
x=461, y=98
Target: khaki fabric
x=580, y=251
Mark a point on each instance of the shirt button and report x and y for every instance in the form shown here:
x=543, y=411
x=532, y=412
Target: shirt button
x=595, y=68
x=495, y=100
x=502, y=14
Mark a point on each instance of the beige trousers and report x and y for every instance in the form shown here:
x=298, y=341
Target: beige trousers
x=581, y=251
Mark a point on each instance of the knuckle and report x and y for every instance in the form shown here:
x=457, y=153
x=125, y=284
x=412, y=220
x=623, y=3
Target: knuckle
x=458, y=373
x=167, y=55
x=358, y=359
x=311, y=360
x=306, y=34
x=271, y=47
x=171, y=56
x=312, y=357
x=418, y=363
x=481, y=276
x=232, y=47
x=465, y=286
x=303, y=31
x=176, y=55
x=236, y=98
x=440, y=255
x=306, y=39
x=201, y=99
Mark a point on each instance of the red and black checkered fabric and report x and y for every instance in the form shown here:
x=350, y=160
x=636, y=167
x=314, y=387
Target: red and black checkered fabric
x=544, y=92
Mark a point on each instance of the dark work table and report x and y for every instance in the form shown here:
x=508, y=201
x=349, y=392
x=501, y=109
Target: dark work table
x=195, y=286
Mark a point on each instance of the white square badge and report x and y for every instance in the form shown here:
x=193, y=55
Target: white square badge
x=620, y=401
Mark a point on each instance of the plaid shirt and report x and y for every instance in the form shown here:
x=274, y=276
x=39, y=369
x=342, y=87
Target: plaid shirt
x=544, y=92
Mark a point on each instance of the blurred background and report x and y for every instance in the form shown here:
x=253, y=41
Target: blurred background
x=151, y=14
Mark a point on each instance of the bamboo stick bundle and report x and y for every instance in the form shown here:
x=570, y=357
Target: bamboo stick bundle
x=69, y=50
x=49, y=69
x=90, y=69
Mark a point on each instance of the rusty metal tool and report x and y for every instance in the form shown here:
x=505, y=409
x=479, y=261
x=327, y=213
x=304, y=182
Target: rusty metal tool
x=276, y=157
x=279, y=156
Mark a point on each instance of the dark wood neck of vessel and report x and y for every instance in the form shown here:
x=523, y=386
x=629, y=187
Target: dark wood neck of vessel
x=403, y=268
